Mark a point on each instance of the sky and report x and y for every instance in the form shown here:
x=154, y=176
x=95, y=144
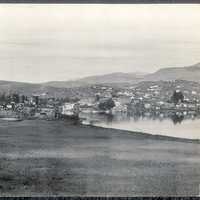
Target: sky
x=48, y=42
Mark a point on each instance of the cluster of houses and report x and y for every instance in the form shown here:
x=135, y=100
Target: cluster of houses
x=143, y=99
x=149, y=99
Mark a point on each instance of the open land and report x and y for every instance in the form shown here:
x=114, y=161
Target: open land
x=42, y=158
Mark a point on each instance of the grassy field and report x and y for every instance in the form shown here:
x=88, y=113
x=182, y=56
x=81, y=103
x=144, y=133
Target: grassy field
x=55, y=158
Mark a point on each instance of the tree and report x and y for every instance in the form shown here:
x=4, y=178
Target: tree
x=97, y=97
x=106, y=104
x=15, y=98
x=3, y=97
x=177, y=97
x=8, y=99
x=23, y=98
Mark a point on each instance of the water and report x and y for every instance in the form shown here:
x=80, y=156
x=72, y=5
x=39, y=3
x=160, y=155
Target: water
x=175, y=126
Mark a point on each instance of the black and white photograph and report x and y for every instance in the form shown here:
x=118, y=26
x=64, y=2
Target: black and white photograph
x=99, y=100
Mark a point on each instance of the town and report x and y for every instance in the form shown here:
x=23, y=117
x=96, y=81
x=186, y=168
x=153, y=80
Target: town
x=152, y=99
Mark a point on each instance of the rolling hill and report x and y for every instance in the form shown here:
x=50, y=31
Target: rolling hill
x=190, y=73
x=82, y=86
x=113, y=78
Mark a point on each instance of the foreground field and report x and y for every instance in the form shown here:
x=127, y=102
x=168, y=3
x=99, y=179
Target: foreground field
x=55, y=158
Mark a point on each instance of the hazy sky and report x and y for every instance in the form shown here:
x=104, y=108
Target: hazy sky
x=61, y=42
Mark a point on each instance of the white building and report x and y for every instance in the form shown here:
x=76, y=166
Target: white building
x=119, y=107
x=70, y=109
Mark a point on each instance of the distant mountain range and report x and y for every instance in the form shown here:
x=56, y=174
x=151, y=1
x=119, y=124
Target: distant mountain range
x=62, y=88
x=190, y=73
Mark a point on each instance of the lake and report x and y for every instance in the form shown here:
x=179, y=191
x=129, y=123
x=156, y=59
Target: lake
x=174, y=126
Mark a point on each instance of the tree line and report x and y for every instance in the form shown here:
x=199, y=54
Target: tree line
x=14, y=97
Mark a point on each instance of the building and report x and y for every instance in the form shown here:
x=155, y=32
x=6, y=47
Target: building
x=48, y=113
x=70, y=109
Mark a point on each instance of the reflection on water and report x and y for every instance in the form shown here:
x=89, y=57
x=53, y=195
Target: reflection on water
x=177, y=119
x=177, y=124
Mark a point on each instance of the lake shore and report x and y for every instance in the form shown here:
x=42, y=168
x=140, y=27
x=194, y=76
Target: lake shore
x=42, y=158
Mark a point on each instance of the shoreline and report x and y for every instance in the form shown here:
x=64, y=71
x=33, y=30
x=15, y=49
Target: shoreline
x=146, y=135
x=135, y=134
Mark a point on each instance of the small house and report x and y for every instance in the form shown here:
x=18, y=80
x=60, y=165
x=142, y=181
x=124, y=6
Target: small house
x=70, y=109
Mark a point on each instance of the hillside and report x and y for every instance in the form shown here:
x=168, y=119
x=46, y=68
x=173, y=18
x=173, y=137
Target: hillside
x=9, y=87
x=28, y=89
x=113, y=78
x=20, y=87
x=82, y=87
x=189, y=73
